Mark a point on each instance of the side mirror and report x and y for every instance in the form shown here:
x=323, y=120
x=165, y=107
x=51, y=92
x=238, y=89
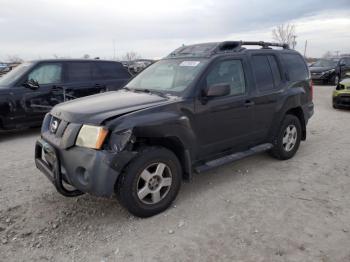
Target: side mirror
x=217, y=90
x=31, y=84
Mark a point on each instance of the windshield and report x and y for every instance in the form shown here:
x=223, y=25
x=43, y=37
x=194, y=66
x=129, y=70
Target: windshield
x=325, y=63
x=14, y=74
x=172, y=75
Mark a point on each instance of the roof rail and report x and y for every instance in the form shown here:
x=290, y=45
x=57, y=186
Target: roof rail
x=265, y=44
x=208, y=49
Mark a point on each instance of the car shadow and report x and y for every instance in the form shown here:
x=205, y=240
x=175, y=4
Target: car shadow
x=21, y=133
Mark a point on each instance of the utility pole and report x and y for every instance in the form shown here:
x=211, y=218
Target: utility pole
x=113, y=49
x=305, y=48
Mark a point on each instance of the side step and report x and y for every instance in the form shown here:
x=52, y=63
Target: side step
x=233, y=157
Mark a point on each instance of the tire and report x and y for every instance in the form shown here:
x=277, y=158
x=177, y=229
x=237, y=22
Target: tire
x=153, y=170
x=287, y=140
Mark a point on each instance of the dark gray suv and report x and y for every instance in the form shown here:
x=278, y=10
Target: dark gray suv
x=201, y=107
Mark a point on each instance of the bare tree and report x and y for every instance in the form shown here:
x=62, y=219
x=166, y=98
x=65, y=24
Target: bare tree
x=129, y=56
x=14, y=59
x=86, y=56
x=285, y=34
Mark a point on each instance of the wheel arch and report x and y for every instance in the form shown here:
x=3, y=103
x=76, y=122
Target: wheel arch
x=175, y=145
x=298, y=112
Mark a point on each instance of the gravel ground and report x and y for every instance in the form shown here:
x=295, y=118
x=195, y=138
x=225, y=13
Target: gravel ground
x=257, y=209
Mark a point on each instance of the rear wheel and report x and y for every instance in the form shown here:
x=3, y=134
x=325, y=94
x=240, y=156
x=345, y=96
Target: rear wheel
x=150, y=183
x=288, y=138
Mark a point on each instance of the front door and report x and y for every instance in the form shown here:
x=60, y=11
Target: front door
x=223, y=123
x=35, y=103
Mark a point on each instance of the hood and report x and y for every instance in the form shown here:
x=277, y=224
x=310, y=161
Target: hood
x=317, y=69
x=97, y=108
x=345, y=82
x=4, y=90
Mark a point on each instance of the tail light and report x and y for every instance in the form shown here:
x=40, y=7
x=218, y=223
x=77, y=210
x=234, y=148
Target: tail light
x=311, y=90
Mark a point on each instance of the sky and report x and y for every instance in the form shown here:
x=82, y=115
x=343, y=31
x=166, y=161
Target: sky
x=37, y=29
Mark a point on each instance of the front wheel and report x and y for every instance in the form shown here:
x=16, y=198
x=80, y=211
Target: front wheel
x=150, y=183
x=288, y=138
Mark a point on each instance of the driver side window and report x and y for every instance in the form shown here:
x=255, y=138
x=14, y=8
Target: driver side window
x=47, y=74
x=228, y=72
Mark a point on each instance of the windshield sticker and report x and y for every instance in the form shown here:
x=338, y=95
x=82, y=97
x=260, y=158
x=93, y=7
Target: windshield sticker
x=190, y=63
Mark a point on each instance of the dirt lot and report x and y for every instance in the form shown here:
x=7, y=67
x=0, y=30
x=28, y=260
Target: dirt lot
x=258, y=209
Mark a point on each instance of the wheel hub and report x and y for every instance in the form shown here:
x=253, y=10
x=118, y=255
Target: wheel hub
x=154, y=182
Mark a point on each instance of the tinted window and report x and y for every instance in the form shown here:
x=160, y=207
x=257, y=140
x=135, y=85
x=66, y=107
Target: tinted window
x=228, y=72
x=109, y=70
x=275, y=70
x=263, y=73
x=47, y=74
x=295, y=66
x=346, y=61
x=79, y=71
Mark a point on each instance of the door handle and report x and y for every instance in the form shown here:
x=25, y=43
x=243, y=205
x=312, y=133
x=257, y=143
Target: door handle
x=56, y=88
x=249, y=103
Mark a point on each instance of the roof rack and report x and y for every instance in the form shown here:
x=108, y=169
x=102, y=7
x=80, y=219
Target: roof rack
x=208, y=49
x=265, y=44
x=236, y=46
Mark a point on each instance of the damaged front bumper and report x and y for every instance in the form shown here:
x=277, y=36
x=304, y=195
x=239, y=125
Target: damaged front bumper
x=88, y=170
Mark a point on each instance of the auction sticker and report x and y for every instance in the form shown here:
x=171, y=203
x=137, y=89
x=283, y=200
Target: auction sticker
x=189, y=63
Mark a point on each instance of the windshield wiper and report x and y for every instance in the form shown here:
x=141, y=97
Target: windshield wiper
x=149, y=91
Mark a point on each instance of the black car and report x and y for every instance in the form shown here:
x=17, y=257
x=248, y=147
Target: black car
x=201, y=107
x=323, y=71
x=30, y=90
x=342, y=69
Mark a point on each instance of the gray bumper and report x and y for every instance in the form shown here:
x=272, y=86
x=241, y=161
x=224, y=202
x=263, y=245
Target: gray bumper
x=89, y=171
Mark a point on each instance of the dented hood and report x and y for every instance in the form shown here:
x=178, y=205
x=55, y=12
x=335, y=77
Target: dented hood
x=97, y=108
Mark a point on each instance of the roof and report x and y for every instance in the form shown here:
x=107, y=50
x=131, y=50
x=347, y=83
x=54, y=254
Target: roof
x=73, y=60
x=209, y=49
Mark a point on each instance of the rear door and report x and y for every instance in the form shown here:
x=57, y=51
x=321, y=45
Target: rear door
x=78, y=79
x=268, y=90
x=109, y=75
x=222, y=123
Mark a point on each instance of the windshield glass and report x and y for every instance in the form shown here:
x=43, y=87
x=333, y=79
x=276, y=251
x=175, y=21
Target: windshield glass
x=172, y=75
x=325, y=63
x=14, y=74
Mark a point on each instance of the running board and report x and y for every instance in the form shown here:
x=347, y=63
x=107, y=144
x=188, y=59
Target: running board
x=233, y=157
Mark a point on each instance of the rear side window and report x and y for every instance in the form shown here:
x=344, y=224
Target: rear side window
x=263, y=73
x=109, y=70
x=275, y=70
x=79, y=72
x=295, y=66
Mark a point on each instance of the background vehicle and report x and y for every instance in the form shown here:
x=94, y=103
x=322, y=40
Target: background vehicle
x=323, y=71
x=342, y=68
x=341, y=94
x=201, y=107
x=30, y=90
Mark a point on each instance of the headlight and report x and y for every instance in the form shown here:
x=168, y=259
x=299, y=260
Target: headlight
x=91, y=136
x=119, y=140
